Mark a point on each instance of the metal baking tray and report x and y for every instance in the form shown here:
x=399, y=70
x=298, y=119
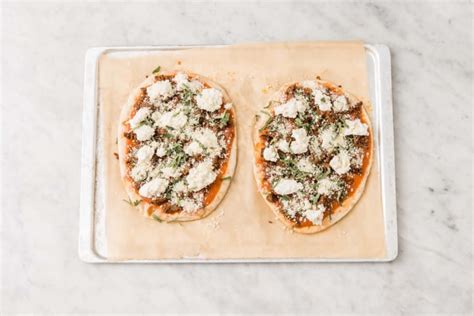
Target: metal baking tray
x=92, y=238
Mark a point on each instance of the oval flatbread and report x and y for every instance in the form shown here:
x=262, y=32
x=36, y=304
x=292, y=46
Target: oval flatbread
x=177, y=146
x=313, y=153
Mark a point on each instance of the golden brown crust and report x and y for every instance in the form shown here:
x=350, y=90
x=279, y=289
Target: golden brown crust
x=157, y=212
x=340, y=211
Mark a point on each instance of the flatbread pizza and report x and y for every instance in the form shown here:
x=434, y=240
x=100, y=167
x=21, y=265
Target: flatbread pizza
x=313, y=145
x=177, y=146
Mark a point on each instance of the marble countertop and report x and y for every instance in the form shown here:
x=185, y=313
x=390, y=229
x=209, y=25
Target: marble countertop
x=43, y=48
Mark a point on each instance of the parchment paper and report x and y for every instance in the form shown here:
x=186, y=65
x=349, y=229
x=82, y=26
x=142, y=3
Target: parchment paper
x=242, y=226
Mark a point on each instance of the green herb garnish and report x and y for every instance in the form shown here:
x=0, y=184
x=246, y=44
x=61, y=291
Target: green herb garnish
x=323, y=175
x=314, y=199
x=298, y=122
x=157, y=69
x=226, y=178
x=132, y=203
x=156, y=218
x=187, y=95
x=225, y=119
x=266, y=113
x=268, y=122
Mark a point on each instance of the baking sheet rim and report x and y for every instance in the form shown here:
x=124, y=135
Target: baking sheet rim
x=380, y=91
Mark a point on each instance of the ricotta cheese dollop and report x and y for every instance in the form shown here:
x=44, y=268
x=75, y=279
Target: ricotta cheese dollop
x=175, y=119
x=305, y=165
x=160, y=150
x=291, y=108
x=193, y=149
x=139, y=117
x=341, y=163
x=154, y=188
x=356, y=127
x=315, y=215
x=209, y=99
x=270, y=154
x=283, y=145
x=301, y=141
x=144, y=132
x=160, y=89
x=140, y=171
x=200, y=176
x=208, y=139
x=144, y=153
x=326, y=186
x=287, y=186
x=327, y=137
x=340, y=104
x=322, y=100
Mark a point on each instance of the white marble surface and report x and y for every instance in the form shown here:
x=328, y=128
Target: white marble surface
x=43, y=48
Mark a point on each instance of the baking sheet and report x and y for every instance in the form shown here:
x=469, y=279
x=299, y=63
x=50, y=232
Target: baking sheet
x=92, y=241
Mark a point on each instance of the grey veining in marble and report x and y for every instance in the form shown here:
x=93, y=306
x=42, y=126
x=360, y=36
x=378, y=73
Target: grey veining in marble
x=43, y=48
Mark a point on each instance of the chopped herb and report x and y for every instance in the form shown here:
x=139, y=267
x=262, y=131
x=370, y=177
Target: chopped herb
x=315, y=198
x=187, y=95
x=339, y=196
x=225, y=119
x=156, y=218
x=257, y=117
x=284, y=197
x=177, y=160
x=324, y=174
x=268, y=105
x=132, y=203
x=266, y=113
x=226, y=178
x=298, y=122
x=157, y=69
x=268, y=122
